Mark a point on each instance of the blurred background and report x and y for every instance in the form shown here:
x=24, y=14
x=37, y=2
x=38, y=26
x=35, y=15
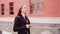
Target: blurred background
x=44, y=15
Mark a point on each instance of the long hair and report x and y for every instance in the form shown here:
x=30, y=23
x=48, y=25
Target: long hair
x=19, y=13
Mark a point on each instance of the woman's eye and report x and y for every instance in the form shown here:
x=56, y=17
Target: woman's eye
x=24, y=7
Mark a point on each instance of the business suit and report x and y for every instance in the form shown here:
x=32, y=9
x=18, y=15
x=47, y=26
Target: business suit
x=20, y=25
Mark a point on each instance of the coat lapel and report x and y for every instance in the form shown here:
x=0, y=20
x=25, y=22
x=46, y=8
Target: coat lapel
x=23, y=18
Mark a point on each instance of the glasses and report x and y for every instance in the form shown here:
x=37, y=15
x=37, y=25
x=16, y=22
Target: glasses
x=24, y=7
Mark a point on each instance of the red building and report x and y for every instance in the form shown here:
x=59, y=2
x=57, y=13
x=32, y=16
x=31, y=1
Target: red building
x=42, y=10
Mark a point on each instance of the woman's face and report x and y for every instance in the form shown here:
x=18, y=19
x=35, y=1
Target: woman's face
x=24, y=9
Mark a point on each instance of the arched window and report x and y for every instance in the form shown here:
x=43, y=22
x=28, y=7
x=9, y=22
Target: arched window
x=11, y=8
x=2, y=9
x=36, y=7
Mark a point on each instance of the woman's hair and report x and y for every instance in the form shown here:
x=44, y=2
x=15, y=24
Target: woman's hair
x=19, y=11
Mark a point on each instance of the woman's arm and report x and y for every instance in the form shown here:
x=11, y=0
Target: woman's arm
x=16, y=25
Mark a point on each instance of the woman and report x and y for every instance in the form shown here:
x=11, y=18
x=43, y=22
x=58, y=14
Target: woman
x=21, y=22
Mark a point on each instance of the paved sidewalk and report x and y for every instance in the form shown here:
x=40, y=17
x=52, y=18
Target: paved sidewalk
x=37, y=28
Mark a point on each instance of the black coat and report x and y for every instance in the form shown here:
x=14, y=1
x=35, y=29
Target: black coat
x=20, y=25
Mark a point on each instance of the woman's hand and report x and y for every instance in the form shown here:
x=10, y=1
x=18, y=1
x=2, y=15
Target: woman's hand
x=28, y=25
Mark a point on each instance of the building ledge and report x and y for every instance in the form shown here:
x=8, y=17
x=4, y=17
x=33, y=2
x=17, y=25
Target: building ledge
x=36, y=20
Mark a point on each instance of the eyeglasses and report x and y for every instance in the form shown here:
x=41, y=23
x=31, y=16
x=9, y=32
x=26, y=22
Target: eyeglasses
x=24, y=7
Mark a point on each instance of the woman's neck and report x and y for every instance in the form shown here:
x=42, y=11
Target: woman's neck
x=22, y=13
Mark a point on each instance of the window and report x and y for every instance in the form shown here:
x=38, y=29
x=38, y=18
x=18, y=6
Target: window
x=2, y=9
x=36, y=7
x=11, y=8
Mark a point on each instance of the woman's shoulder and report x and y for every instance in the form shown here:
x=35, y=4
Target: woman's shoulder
x=17, y=16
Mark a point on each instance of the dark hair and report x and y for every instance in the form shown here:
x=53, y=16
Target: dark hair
x=19, y=13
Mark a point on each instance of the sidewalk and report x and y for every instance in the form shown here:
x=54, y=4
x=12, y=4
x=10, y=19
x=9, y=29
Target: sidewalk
x=37, y=28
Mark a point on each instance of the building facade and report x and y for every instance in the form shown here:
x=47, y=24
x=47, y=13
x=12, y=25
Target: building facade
x=36, y=9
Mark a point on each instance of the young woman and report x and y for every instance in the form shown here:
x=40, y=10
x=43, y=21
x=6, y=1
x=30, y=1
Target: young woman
x=21, y=22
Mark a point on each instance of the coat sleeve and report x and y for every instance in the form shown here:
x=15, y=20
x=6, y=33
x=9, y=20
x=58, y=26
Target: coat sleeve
x=16, y=27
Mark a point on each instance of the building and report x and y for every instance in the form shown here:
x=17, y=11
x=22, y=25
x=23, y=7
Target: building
x=35, y=8
x=38, y=11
